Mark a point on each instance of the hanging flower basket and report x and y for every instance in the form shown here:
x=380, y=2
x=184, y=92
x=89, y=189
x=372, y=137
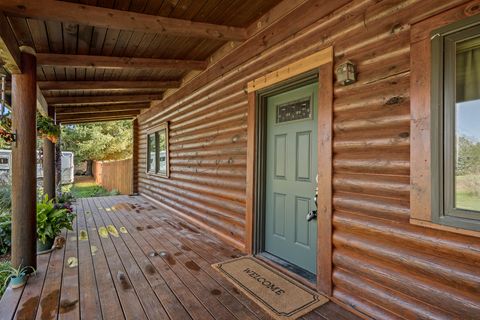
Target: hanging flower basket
x=49, y=136
x=6, y=132
x=47, y=129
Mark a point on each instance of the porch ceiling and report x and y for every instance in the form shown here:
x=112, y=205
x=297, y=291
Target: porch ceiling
x=96, y=51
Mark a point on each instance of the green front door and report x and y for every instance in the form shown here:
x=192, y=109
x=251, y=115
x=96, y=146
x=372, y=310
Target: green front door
x=291, y=169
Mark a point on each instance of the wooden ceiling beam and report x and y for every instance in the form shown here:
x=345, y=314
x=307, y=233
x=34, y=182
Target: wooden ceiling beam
x=84, y=121
x=113, y=99
x=10, y=58
x=96, y=116
x=106, y=85
x=9, y=50
x=107, y=108
x=107, y=62
x=42, y=104
x=68, y=12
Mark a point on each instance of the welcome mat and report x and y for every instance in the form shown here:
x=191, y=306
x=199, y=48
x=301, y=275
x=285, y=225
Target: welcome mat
x=281, y=296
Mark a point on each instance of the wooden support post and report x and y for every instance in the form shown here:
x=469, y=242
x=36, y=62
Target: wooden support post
x=49, y=164
x=135, y=155
x=24, y=103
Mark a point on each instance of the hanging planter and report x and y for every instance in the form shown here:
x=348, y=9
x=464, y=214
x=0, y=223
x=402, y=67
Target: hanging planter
x=47, y=129
x=6, y=132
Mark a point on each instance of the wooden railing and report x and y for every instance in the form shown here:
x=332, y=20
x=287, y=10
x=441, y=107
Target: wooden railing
x=114, y=175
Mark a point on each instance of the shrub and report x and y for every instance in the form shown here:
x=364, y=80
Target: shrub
x=5, y=197
x=3, y=276
x=66, y=198
x=5, y=232
x=5, y=217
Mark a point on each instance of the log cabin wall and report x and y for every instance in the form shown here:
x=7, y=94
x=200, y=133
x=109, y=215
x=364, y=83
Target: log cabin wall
x=383, y=266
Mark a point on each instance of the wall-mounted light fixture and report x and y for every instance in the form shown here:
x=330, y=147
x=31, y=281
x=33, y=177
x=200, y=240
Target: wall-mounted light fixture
x=345, y=73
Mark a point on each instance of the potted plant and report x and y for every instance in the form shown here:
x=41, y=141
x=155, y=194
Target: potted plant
x=46, y=128
x=17, y=276
x=51, y=219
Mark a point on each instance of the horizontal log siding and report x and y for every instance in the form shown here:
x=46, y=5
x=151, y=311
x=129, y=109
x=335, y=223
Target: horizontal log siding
x=383, y=266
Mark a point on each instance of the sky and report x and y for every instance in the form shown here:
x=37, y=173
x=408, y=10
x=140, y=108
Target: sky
x=468, y=119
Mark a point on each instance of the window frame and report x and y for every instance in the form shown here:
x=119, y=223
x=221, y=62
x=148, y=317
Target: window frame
x=443, y=124
x=148, y=153
x=155, y=131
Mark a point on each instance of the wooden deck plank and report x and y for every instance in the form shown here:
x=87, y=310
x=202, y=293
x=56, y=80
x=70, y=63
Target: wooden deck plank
x=182, y=291
x=200, y=246
x=209, y=247
x=89, y=299
x=178, y=284
x=332, y=311
x=107, y=291
x=313, y=316
x=233, y=305
x=152, y=306
x=216, y=248
x=129, y=300
x=10, y=299
x=50, y=295
x=216, y=309
x=168, y=299
x=69, y=296
x=28, y=304
x=205, y=248
x=211, y=279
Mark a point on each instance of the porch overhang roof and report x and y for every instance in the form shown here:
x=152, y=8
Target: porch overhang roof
x=101, y=63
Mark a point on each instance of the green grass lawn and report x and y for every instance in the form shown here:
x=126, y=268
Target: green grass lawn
x=466, y=187
x=87, y=189
x=467, y=201
x=3, y=276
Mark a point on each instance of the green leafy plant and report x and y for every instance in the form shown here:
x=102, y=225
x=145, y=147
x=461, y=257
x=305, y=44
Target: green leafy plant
x=66, y=198
x=12, y=272
x=47, y=128
x=3, y=276
x=5, y=197
x=52, y=219
x=5, y=217
x=5, y=232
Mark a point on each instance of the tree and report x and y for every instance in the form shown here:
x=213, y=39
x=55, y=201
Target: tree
x=468, y=160
x=98, y=141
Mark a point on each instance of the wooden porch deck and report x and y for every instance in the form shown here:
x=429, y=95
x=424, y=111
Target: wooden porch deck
x=157, y=268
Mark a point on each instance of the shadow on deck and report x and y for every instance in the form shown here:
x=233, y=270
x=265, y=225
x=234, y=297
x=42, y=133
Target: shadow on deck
x=151, y=265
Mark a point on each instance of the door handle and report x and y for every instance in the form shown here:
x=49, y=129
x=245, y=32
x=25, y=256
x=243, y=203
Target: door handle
x=313, y=214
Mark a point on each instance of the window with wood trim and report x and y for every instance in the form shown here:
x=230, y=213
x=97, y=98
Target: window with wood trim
x=157, y=150
x=455, y=126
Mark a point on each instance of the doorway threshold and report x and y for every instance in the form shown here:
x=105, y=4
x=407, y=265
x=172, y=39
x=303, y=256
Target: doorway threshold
x=300, y=274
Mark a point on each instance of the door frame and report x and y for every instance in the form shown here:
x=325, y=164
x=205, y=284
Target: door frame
x=320, y=64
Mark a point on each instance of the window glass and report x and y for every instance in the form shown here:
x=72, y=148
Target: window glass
x=162, y=151
x=152, y=148
x=157, y=150
x=467, y=125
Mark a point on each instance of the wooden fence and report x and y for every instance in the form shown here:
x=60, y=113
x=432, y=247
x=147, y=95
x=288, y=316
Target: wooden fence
x=114, y=175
